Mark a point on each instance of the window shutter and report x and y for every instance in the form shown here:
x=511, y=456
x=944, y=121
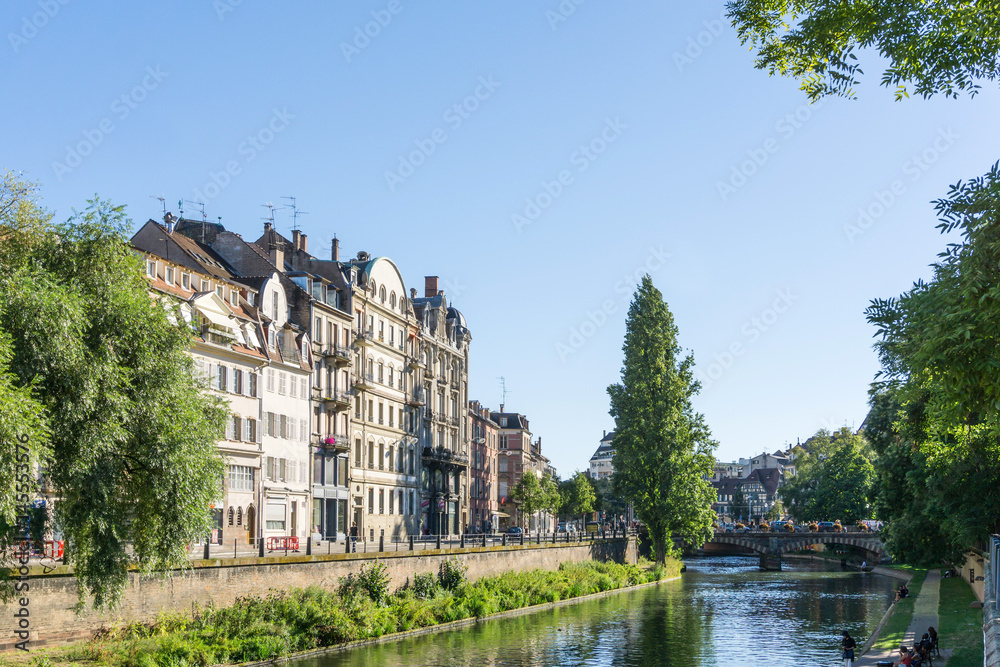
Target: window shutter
x=246, y=430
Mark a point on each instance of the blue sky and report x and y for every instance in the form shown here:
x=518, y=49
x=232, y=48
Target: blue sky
x=587, y=147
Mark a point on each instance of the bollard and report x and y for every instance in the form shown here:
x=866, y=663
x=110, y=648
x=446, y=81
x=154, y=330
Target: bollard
x=234, y=548
x=347, y=544
x=329, y=546
x=439, y=540
x=411, y=542
x=381, y=541
x=522, y=539
x=260, y=547
x=309, y=546
x=207, y=546
x=461, y=543
x=553, y=538
x=503, y=540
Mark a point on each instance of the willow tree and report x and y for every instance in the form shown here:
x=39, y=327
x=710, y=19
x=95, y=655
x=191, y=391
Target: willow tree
x=663, y=448
x=130, y=448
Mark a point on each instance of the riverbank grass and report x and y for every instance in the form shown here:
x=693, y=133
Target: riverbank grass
x=363, y=607
x=895, y=628
x=959, y=626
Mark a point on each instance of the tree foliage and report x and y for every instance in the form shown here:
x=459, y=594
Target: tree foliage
x=929, y=45
x=577, y=496
x=131, y=446
x=663, y=448
x=534, y=495
x=834, y=479
x=937, y=399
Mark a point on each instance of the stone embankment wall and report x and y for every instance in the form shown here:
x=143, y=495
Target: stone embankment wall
x=222, y=581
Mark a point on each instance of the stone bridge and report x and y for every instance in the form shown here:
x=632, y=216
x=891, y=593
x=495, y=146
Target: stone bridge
x=770, y=546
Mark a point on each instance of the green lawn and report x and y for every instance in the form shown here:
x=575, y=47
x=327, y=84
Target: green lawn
x=892, y=634
x=960, y=627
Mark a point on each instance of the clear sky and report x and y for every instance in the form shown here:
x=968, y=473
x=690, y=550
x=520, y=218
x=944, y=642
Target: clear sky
x=588, y=147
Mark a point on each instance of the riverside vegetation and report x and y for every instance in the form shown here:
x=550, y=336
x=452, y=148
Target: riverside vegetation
x=362, y=607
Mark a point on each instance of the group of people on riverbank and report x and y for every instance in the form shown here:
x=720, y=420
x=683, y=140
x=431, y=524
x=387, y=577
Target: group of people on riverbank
x=918, y=656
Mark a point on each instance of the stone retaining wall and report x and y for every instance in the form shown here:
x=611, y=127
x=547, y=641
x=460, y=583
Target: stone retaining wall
x=222, y=581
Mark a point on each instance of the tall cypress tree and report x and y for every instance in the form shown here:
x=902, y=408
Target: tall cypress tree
x=663, y=448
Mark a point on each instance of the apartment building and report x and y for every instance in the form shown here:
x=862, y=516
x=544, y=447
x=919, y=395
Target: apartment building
x=601, y=466
x=441, y=346
x=483, y=502
x=229, y=352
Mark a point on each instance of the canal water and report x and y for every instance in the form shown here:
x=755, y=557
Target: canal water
x=724, y=611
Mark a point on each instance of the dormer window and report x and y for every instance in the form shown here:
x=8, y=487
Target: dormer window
x=204, y=286
x=219, y=291
x=186, y=280
x=151, y=268
x=168, y=275
x=234, y=297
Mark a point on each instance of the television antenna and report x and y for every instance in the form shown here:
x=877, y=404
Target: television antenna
x=295, y=212
x=503, y=391
x=199, y=205
x=270, y=216
x=163, y=202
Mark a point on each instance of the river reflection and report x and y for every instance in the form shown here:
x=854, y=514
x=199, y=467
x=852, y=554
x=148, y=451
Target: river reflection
x=723, y=612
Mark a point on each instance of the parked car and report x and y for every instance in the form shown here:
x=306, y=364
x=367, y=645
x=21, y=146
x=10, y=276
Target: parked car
x=826, y=526
x=514, y=530
x=562, y=528
x=727, y=527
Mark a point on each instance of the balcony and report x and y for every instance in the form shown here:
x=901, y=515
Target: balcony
x=445, y=455
x=340, y=354
x=216, y=335
x=338, y=442
x=415, y=398
x=337, y=399
x=364, y=380
x=414, y=362
x=442, y=379
x=428, y=415
x=364, y=337
x=453, y=421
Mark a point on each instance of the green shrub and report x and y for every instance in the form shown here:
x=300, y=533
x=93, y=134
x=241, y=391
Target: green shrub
x=424, y=586
x=451, y=574
x=372, y=580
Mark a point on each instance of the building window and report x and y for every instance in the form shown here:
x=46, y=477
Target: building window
x=357, y=452
x=381, y=501
x=371, y=500
x=204, y=286
x=253, y=385
x=219, y=291
x=282, y=380
x=392, y=502
x=237, y=428
x=168, y=275
x=240, y=478
x=221, y=379
x=151, y=268
x=238, y=381
x=371, y=455
x=185, y=281
x=275, y=518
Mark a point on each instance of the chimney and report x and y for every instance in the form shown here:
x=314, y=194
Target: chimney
x=430, y=286
x=267, y=227
x=305, y=243
x=277, y=256
x=296, y=239
x=335, y=249
x=501, y=408
x=413, y=292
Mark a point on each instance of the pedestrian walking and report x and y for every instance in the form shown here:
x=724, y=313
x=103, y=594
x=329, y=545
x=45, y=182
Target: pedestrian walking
x=354, y=536
x=932, y=633
x=848, y=645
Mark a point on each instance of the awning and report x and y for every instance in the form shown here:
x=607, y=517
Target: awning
x=218, y=319
x=503, y=514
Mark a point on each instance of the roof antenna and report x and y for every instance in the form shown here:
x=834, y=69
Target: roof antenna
x=270, y=216
x=163, y=202
x=295, y=213
x=204, y=218
x=503, y=392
